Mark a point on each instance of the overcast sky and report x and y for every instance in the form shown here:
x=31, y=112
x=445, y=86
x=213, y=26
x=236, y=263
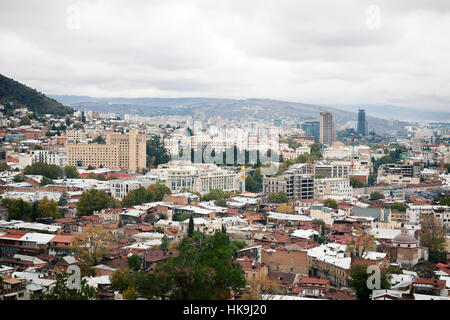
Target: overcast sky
x=322, y=52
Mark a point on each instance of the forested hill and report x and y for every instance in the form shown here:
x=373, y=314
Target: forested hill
x=20, y=95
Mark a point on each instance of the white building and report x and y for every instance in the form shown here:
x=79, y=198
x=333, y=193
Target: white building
x=332, y=187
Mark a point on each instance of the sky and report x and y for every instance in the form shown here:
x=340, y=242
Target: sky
x=320, y=52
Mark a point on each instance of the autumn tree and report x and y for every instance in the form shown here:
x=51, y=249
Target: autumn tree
x=48, y=208
x=359, y=245
x=286, y=208
x=433, y=237
x=260, y=286
x=91, y=245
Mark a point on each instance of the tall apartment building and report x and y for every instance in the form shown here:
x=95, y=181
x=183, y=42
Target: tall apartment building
x=126, y=151
x=334, y=169
x=362, y=128
x=327, y=129
x=294, y=183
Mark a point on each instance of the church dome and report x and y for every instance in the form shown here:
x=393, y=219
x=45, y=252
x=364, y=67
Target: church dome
x=405, y=238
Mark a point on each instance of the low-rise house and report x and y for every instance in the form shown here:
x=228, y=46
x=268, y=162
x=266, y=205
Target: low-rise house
x=288, y=261
x=311, y=287
x=434, y=287
x=253, y=269
x=152, y=257
x=14, y=289
x=330, y=262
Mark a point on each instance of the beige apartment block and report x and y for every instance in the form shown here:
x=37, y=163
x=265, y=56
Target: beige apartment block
x=125, y=151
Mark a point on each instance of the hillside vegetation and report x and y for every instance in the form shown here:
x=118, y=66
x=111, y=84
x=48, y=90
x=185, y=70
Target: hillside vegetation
x=20, y=96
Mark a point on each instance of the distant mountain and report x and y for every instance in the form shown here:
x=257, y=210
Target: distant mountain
x=20, y=95
x=395, y=112
x=231, y=109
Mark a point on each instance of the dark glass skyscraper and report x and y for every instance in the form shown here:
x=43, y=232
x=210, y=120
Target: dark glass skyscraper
x=312, y=128
x=362, y=128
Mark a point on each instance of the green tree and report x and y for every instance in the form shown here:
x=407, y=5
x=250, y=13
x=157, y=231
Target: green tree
x=376, y=196
x=134, y=262
x=250, y=184
x=63, y=199
x=45, y=181
x=159, y=190
x=4, y=166
x=278, y=197
x=62, y=292
x=202, y=270
x=51, y=171
x=19, y=178
x=137, y=197
x=156, y=152
x=71, y=172
x=191, y=226
x=215, y=194
x=221, y=203
x=122, y=280
x=164, y=243
x=320, y=223
x=445, y=201
x=330, y=203
x=18, y=209
x=359, y=276
x=356, y=183
x=25, y=121
x=34, y=211
x=398, y=207
x=258, y=178
x=180, y=216
x=95, y=200
x=99, y=139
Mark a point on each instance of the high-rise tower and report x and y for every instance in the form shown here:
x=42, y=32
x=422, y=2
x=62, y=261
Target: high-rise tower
x=327, y=129
x=362, y=128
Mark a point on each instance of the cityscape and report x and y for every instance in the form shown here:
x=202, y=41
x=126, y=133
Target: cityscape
x=197, y=195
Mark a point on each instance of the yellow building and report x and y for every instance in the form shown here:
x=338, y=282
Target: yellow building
x=125, y=151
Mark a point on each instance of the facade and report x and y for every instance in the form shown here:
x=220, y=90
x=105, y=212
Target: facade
x=333, y=187
x=327, y=129
x=362, y=128
x=415, y=212
x=198, y=177
x=295, y=186
x=335, y=169
x=289, y=261
x=120, y=187
x=126, y=151
x=57, y=157
x=330, y=262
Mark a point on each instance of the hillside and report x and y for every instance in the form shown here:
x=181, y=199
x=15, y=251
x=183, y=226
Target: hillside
x=22, y=96
x=231, y=109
